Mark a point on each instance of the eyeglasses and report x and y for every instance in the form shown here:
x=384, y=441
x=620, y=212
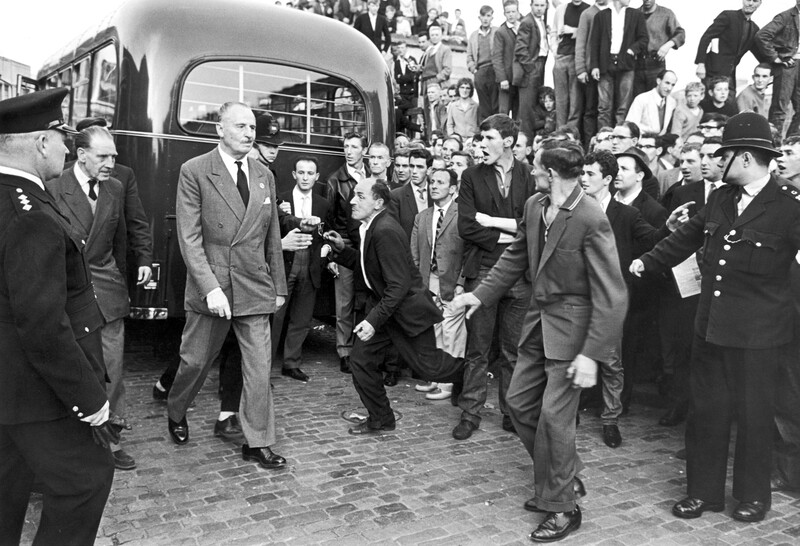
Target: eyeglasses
x=701, y=127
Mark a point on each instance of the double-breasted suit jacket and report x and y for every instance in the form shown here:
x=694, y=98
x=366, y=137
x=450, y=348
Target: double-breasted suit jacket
x=226, y=245
x=105, y=236
x=449, y=249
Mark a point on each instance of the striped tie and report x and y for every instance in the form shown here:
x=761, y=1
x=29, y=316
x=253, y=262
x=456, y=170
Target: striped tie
x=434, y=265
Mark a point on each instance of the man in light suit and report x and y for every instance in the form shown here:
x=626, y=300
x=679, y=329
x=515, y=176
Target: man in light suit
x=400, y=310
x=94, y=202
x=575, y=323
x=374, y=26
x=230, y=240
x=652, y=111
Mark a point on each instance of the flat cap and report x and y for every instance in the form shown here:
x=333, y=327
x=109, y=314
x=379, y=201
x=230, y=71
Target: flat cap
x=39, y=111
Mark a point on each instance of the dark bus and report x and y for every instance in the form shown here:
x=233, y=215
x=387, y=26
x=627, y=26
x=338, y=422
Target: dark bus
x=158, y=71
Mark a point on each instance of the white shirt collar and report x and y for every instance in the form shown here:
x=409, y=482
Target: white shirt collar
x=605, y=201
x=230, y=164
x=445, y=208
x=753, y=188
x=297, y=198
x=22, y=174
x=357, y=175
x=628, y=200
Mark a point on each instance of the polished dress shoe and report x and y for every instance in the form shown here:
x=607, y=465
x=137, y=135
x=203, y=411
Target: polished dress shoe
x=179, y=431
x=295, y=373
x=611, y=436
x=344, y=365
x=672, y=418
x=691, y=508
x=750, y=511
x=263, y=456
x=370, y=428
x=229, y=429
x=391, y=378
x=464, y=429
x=123, y=461
x=160, y=395
x=557, y=525
x=508, y=425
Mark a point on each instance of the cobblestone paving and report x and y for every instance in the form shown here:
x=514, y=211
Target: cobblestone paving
x=415, y=485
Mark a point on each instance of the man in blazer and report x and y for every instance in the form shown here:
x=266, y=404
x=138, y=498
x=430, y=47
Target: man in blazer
x=652, y=111
x=54, y=408
x=491, y=201
x=94, y=202
x=567, y=246
x=374, y=26
x=406, y=78
x=530, y=54
x=230, y=240
x=724, y=43
x=749, y=232
x=412, y=198
x=505, y=40
x=303, y=267
x=614, y=70
x=400, y=310
x=437, y=61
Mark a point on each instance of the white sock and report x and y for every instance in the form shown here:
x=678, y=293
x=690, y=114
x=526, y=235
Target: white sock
x=224, y=415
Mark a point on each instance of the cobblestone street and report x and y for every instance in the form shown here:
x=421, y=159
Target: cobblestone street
x=416, y=485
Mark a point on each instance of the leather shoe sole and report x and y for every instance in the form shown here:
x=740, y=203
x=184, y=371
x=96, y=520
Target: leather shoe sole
x=365, y=428
x=557, y=526
x=295, y=373
x=123, y=461
x=508, y=424
x=691, y=508
x=263, y=456
x=751, y=511
x=160, y=395
x=178, y=431
x=611, y=436
x=464, y=429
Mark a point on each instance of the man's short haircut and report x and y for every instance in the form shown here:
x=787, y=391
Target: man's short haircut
x=765, y=66
x=606, y=129
x=355, y=134
x=457, y=141
x=663, y=73
x=762, y=157
x=566, y=132
x=632, y=128
x=605, y=160
x=381, y=145
x=84, y=138
x=227, y=106
x=510, y=3
x=650, y=134
x=566, y=159
x=712, y=140
x=716, y=80
x=405, y=154
x=691, y=147
x=695, y=86
x=435, y=25
x=667, y=140
x=380, y=190
x=423, y=34
x=310, y=159
x=528, y=137
x=453, y=177
x=421, y=154
x=720, y=119
x=503, y=124
x=790, y=141
x=470, y=161
x=486, y=10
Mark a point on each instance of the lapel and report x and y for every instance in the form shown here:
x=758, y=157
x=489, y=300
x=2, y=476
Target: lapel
x=560, y=224
x=451, y=213
x=105, y=204
x=76, y=201
x=426, y=217
x=409, y=196
x=226, y=186
x=490, y=178
x=612, y=211
x=757, y=206
x=258, y=194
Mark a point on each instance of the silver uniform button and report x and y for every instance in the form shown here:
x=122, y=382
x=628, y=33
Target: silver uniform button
x=717, y=293
x=733, y=232
x=80, y=414
x=722, y=262
x=758, y=244
x=86, y=329
x=726, y=247
x=74, y=408
x=719, y=277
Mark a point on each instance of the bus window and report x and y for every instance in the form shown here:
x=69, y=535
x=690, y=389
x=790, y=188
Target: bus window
x=312, y=108
x=80, y=89
x=104, y=84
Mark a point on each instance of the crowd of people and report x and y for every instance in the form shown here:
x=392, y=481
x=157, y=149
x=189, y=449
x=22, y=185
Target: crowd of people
x=573, y=241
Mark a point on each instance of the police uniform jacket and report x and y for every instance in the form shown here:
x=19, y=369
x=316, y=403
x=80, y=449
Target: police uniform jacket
x=52, y=361
x=745, y=298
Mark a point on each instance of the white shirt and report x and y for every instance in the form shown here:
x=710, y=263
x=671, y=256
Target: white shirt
x=83, y=180
x=435, y=220
x=362, y=231
x=422, y=201
x=359, y=176
x=302, y=203
x=605, y=201
x=22, y=174
x=749, y=193
x=233, y=170
x=373, y=20
x=617, y=29
x=709, y=185
x=543, y=47
x=628, y=200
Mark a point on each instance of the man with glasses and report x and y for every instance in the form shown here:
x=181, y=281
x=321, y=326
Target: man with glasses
x=625, y=136
x=712, y=125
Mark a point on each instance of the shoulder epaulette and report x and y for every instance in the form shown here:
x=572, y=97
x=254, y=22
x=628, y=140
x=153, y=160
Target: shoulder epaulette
x=790, y=191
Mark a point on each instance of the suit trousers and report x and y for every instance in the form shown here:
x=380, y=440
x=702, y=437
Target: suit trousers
x=612, y=380
x=421, y=354
x=615, y=94
x=202, y=339
x=113, y=335
x=451, y=333
x=676, y=329
x=507, y=315
x=589, y=118
x=648, y=67
x=786, y=93
x=728, y=381
x=529, y=95
x=569, y=92
x=76, y=473
x=487, y=89
x=299, y=308
x=508, y=101
x=787, y=418
x=543, y=405
x=345, y=319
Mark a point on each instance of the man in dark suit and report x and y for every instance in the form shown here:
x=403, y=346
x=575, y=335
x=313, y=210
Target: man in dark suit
x=530, y=55
x=406, y=76
x=566, y=244
x=54, y=410
x=413, y=198
x=94, y=202
x=724, y=43
x=505, y=39
x=749, y=232
x=303, y=267
x=374, y=26
x=613, y=69
x=228, y=232
x=491, y=201
x=400, y=310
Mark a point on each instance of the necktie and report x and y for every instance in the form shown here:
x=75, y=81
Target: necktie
x=434, y=265
x=241, y=184
x=501, y=185
x=662, y=112
x=421, y=192
x=92, y=192
x=737, y=199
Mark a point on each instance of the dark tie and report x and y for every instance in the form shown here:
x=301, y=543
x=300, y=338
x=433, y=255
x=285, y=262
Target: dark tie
x=421, y=192
x=434, y=265
x=662, y=112
x=92, y=193
x=241, y=184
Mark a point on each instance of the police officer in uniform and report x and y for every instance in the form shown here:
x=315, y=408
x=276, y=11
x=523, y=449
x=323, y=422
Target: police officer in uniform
x=54, y=412
x=749, y=233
